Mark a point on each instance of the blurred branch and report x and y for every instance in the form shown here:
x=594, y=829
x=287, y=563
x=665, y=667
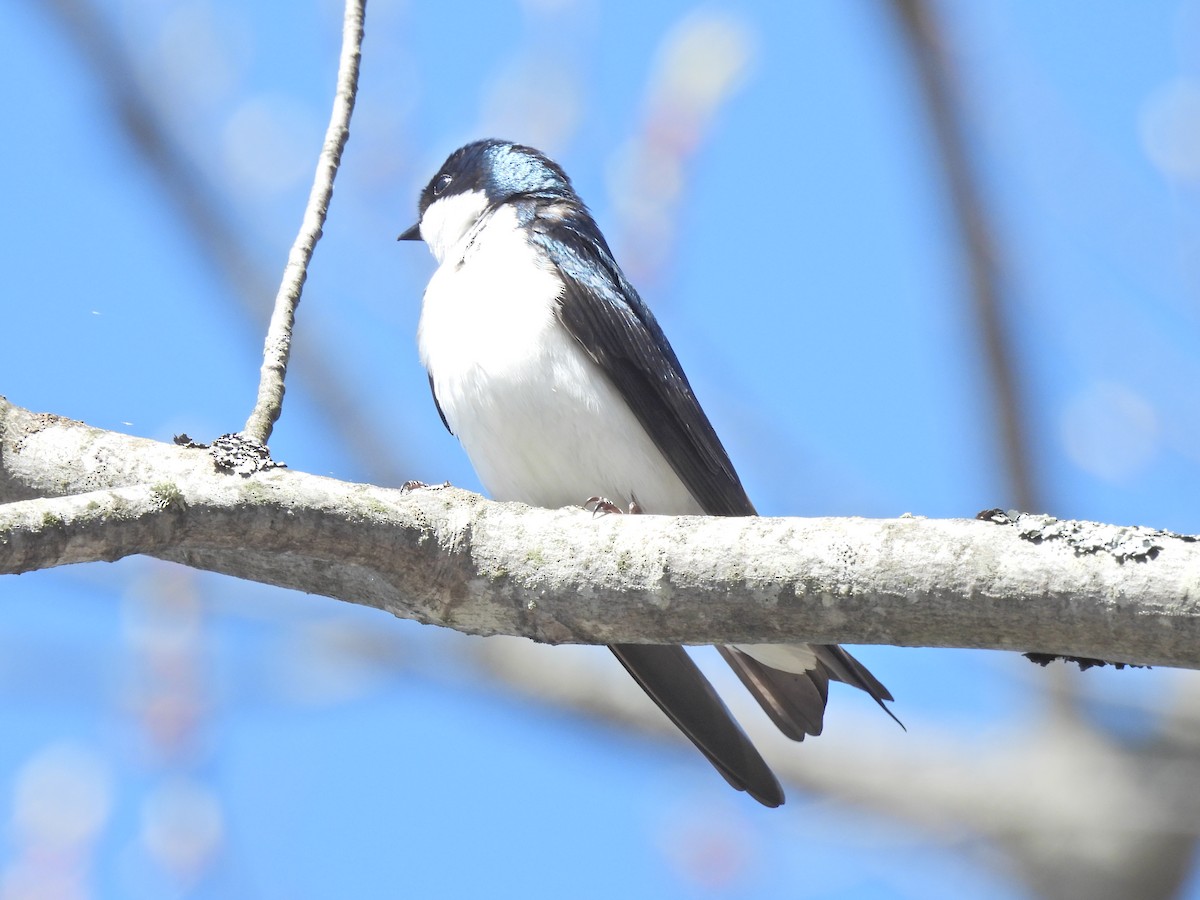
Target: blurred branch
x=448, y=557
x=926, y=45
x=279, y=334
x=940, y=84
x=212, y=229
x=1074, y=813
x=1083, y=816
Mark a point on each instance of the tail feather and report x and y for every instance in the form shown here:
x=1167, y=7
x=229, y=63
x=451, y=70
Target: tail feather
x=845, y=668
x=795, y=702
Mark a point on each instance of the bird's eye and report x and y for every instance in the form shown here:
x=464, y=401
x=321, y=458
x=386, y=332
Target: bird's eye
x=440, y=185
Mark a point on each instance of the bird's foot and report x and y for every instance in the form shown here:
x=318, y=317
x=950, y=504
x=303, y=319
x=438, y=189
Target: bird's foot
x=602, y=506
x=421, y=485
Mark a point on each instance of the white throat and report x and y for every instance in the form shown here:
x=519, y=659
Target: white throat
x=447, y=221
x=539, y=419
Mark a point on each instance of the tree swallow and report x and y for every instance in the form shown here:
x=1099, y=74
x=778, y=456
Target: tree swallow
x=558, y=381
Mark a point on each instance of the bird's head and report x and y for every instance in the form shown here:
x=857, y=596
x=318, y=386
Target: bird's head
x=477, y=178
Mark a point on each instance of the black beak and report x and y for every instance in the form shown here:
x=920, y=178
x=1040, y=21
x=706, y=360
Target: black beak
x=412, y=234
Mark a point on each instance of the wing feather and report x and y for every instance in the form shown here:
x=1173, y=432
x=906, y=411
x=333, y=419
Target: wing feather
x=673, y=681
x=608, y=319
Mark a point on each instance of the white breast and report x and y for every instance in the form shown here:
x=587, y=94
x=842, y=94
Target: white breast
x=539, y=420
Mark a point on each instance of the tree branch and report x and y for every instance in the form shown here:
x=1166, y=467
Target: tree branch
x=448, y=557
x=279, y=334
x=205, y=217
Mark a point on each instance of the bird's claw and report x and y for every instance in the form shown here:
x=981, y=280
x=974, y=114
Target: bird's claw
x=602, y=506
x=421, y=485
x=598, y=506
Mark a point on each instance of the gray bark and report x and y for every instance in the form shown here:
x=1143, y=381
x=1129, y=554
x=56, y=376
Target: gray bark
x=74, y=493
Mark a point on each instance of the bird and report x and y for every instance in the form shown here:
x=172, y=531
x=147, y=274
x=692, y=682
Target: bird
x=560, y=384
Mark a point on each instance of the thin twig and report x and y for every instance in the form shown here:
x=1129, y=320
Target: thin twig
x=279, y=334
x=212, y=231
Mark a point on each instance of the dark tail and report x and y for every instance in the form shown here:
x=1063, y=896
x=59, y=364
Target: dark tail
x=795, y=702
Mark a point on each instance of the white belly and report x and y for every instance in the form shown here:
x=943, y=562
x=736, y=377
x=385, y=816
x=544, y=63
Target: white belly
x=539, y=420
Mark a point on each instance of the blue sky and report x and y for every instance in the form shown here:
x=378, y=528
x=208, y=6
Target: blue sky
x=203, y=737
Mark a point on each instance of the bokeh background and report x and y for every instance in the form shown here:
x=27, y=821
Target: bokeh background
x=916, y=257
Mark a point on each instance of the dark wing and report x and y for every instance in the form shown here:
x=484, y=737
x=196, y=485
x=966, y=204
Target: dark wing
x=608, y=319
x=604, y=313
x=681, y=691
x=433, y=391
